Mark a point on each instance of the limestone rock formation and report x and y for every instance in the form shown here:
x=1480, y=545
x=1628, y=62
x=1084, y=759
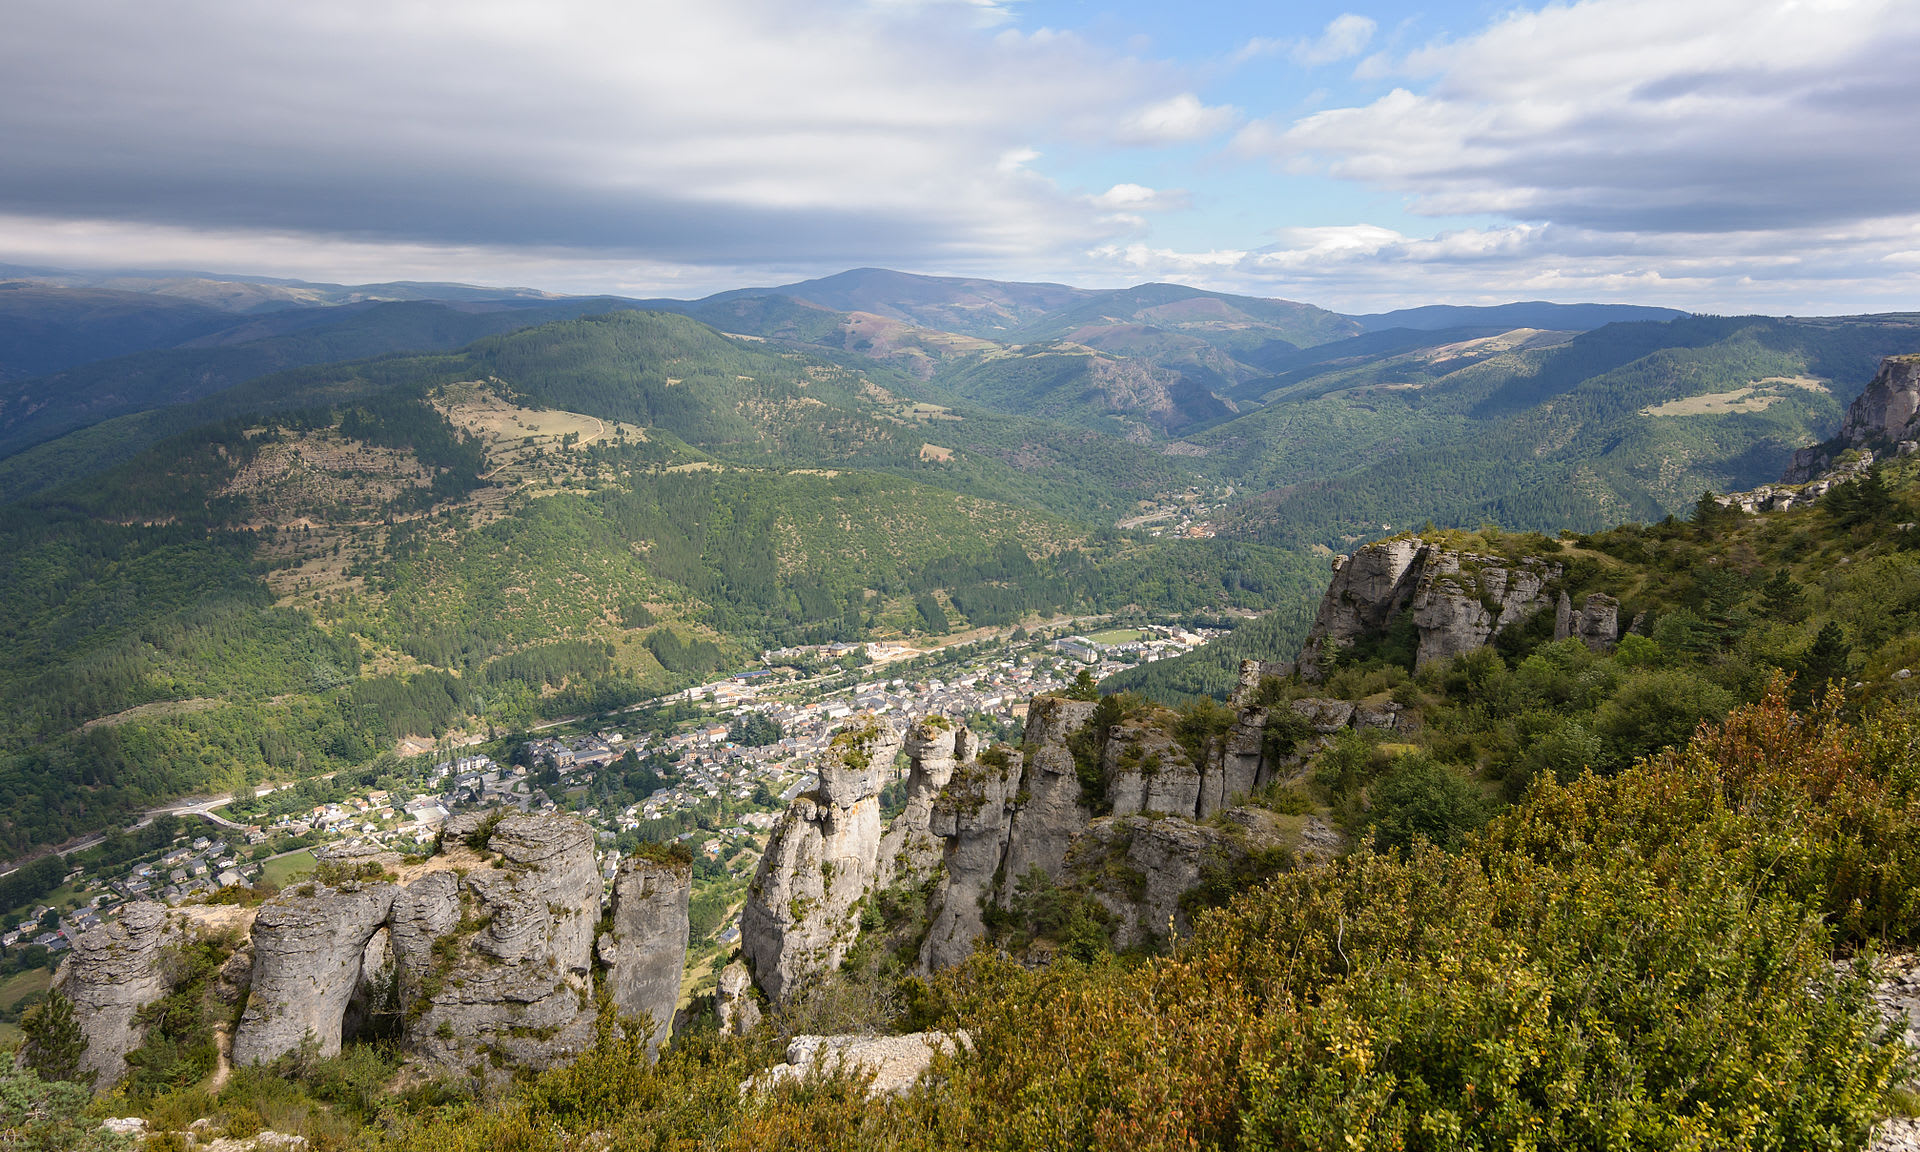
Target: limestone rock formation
x=510, y=983
x=1048, y=813
x=1162, y=819
x=733, y=1002
x=1369, y=588
x=1140, y=868
x=1884, y=417
x=971, y=818
x=1597, y=624
x=114, y=971
x=894, y=1062
x=1464, y=600
x=645, y=951
x=308, y=945
x=908, y=850
x=822, y=856
x=1457, y=601
x=487, y=957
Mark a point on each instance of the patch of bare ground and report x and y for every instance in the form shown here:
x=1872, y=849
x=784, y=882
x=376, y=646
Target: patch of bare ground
x=151, y=711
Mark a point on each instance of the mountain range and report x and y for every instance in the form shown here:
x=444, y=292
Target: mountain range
x=353, y=514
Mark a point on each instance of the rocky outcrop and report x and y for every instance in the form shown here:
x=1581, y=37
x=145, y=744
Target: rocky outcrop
x=114, y=971
x=510, y=984
x=1369, y=589
x=645, y=950
x=1048, y=813
x=1456, y=601
x=971, y=817
x=308, y=946
x=734, y=1005
x=1464, y=600
x=1597, y=624
x=1884, y=418
x=484, y=957
x=909, y=852
x=800, y=915
x=1141, y=868
x=1156, y=821
x=894, y=1062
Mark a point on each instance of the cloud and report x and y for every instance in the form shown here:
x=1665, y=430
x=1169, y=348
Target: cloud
x=1815, y=270
x=746, y=133
x=1628, y=115
x=1177, y=120
x=1345, y=36
x=1139, y=198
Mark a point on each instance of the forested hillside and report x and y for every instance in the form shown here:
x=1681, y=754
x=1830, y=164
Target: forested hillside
x=568, y=519
x=1626, y=895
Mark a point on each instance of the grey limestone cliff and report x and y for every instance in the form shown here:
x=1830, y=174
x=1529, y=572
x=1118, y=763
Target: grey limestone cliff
x=909, y=852
x=971, y=818
x=114, y=971
x=1884, y=418
x=487, y=956
x=644, y=952
x=1456, y=601
x=511, y=982
x=800, y=917
x=308, y=947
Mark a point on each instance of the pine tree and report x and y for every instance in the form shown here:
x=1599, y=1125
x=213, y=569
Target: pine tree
x=54, y=1043
x=1084, y=687
x=1783, y=600
x=1826, y=660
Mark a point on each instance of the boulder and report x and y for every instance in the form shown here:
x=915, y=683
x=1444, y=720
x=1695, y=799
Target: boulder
x=1324, y=715
x=896, y=1063
x=733, y=1001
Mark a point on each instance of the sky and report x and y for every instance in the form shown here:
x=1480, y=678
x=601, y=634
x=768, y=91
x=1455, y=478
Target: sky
x=1726, y=156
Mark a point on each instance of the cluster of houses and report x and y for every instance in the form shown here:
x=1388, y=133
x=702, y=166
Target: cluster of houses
x=202, y=866
x=1154, y=642
x=706, y=766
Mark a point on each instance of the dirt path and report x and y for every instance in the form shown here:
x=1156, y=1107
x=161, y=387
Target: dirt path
x=223, y=1067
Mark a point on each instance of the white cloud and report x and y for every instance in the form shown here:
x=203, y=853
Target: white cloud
x=1140, y=198
x=1356, y=268
x=1177, y=120
x=1630, y=114
x=729, y=133
x=1345, y=36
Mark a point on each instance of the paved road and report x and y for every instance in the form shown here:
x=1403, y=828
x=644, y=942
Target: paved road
x=202, y=806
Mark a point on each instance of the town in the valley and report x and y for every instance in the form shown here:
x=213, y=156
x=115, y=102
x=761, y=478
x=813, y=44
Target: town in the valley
x=711, y=766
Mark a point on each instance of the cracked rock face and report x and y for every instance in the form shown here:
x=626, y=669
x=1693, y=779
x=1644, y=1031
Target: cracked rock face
x=307, y=954
x=489, y=966
x=509, y=983
x=909, y=852
x=648, y=944
x=1457, y=601
x=114, y=971
x=800, y=916
x=971, y=817
x=1884, y=417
